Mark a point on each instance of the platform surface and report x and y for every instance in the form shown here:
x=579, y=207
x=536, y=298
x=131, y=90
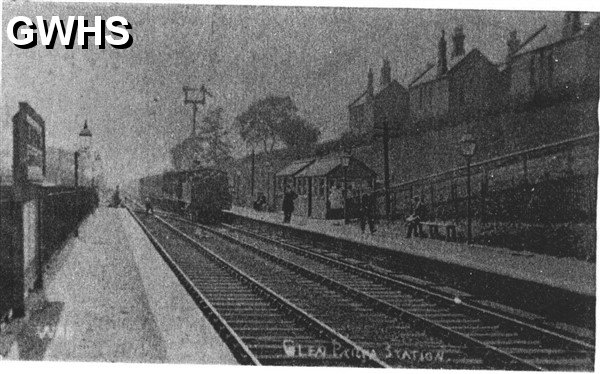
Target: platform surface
x=564, y=273
x=110, y=297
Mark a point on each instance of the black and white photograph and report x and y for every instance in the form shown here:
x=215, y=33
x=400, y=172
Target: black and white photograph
x=371, y=185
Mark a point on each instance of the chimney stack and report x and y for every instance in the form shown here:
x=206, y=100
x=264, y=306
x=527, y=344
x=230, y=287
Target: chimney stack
x=513, y=43
x=442, y=67
x=370, y=83
x=571, y=24
x=458, y=40
x=386, y=73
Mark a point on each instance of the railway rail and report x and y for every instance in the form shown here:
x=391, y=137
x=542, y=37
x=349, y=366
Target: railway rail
x=259, y=326
x=499, y=340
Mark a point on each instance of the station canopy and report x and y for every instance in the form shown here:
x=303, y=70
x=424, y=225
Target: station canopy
x=294, y=168
x=332, y=167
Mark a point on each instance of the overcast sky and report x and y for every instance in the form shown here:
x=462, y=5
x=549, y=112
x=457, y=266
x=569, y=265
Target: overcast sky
x=318, y=56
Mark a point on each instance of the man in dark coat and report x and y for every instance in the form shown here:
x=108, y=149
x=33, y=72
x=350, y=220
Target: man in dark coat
x=149, y=207
x=368, y=209
x=288, y=204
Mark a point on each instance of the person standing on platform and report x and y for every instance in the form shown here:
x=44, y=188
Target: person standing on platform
x=414, y=220
x=288, y=204
x=368, y=209
x=336, y=202
x=116, y=199
x=149, y=208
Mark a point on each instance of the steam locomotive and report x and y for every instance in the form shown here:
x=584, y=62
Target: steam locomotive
x=200, y=194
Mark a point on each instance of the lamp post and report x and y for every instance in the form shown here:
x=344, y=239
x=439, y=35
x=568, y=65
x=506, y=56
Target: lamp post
x=345, y=162
x=252, y=175
x=269, y=167
x=84, y=144
x=467, y=147
x=238, y=179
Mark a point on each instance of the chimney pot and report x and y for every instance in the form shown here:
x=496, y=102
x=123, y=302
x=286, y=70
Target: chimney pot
x=513, y=43
x=571, y=24
x=386, y=73
x=442, y=62
x=370, y=82
x=458, y=40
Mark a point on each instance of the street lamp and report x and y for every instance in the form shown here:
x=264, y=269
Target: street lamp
x=345, y=162
x=467, y=148
x=84, y=144
x=269, y=168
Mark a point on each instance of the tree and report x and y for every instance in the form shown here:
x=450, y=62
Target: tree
x=218, y=151
x=274, y=120
x=299, y=134
x=210, y=148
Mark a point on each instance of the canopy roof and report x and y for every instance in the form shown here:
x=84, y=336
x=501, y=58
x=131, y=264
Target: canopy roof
x=294, y=168
x=332, y=166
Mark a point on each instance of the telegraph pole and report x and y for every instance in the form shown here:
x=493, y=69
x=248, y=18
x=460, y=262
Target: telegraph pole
x=252, y=176
x=195, y=103
x=386, y=167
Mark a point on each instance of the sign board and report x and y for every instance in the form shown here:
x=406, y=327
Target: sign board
x=29, y=146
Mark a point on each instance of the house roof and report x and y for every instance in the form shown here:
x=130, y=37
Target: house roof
x=321, y=167
x=294, y=168
x=363, y=97
x=359, y=100
x=431, y=73
x=393, y=85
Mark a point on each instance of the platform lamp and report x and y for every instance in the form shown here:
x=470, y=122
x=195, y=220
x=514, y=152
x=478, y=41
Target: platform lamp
x=83, y=145
x=345, y=162
x=84, y=142
x=238, y=181
x=467, y=148
x=269, y=169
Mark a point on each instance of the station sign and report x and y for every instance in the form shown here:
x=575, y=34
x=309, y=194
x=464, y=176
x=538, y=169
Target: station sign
x=29, y=146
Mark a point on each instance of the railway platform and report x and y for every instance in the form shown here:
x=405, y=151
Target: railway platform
x=109, y=296
x=574, y=276
x=544, y=290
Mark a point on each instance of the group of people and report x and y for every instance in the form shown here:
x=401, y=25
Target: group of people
x=261, y=205
x=367, y=209
x=368, y=206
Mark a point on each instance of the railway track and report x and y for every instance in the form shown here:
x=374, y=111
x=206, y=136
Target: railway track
x=490, y=339
x=259, y=326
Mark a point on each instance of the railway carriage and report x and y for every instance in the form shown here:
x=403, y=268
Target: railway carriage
x=200, y=194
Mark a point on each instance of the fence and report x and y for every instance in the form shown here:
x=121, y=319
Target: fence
x=62, y=209
x=6, y=249
x=524, y=186
x=518, y=199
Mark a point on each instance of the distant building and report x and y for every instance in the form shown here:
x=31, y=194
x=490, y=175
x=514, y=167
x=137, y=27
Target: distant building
x=562, y=70
x=371, y=112
x=464, y=86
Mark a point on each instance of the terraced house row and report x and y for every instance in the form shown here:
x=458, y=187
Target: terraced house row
x=466, y=88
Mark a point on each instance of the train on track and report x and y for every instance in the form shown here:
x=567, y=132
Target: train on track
x=200, y=194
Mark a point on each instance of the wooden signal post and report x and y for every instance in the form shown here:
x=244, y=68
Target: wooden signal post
x=202, y=101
